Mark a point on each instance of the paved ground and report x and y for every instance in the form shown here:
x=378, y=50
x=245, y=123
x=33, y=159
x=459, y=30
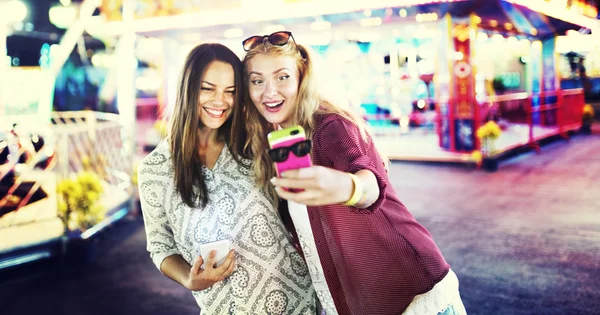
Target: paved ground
x=523, y=240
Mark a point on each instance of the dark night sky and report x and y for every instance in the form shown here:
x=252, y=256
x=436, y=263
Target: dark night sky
x=26, y=46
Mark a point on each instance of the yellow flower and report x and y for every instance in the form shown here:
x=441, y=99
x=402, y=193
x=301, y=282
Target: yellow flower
x=476, y=156
x=62, y=207
x=89, y=182
x=482, y=132
x=588, y=110
x=495, y=130
x=70, y=191
x=92, y=195
x=77, y=200
x=65, y=186
x=489, y=130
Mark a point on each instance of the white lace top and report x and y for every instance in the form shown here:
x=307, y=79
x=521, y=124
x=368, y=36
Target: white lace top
x=271, y=277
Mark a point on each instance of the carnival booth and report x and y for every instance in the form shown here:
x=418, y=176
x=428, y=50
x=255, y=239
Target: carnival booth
x=428, y=76
x=510, y=46
x=64, y=176
x=456, y=69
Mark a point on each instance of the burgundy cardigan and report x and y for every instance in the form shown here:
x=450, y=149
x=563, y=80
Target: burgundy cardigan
x=375, y=260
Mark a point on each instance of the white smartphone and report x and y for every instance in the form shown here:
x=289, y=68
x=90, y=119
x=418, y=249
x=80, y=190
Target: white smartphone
x=222, y=247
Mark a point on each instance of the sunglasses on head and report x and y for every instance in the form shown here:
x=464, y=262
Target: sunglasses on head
x=278, y=39
x=299, y=149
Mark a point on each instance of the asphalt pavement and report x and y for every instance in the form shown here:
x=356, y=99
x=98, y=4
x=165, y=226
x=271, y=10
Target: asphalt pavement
x=522, y=240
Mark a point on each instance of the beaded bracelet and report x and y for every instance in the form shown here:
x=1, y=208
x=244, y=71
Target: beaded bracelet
x=358, y=191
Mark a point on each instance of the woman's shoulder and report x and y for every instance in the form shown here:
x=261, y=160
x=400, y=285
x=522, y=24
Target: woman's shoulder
x=332, y=122
x=159, y=160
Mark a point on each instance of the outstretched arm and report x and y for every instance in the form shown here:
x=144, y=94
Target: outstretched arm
x=324, y=186
x=340, y=146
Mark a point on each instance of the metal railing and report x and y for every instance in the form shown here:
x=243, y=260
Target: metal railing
x=525, y=117
x=532, y=116
x=75, y=142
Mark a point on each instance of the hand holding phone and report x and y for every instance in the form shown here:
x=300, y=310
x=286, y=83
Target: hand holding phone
x=201, y=274
x=222, y=247
x=289, y=149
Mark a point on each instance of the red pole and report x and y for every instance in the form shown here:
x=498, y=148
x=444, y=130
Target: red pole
x=451, y=109
x=529, y=110
x=560, y=111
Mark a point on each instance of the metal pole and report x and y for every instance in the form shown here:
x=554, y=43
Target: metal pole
x=126, y=91
x=4, y=65
x=68, y=41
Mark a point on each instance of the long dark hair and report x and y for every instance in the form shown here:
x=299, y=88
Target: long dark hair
x=184, y=127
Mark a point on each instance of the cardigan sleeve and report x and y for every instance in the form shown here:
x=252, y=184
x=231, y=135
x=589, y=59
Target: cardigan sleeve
x=160, y=241
x=341, y=143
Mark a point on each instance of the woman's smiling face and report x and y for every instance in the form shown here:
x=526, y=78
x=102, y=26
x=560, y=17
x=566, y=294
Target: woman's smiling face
x=217, y=95
x=273, y=87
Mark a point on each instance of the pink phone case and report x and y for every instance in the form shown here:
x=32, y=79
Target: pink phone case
x=293, y=162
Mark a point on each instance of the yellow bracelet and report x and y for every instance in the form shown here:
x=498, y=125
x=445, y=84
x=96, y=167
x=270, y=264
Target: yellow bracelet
x=358, y=191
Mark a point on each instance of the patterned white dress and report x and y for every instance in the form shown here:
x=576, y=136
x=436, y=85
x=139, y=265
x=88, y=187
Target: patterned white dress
x=271, y=277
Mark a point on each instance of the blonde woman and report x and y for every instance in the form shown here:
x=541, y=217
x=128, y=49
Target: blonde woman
x=376, y=258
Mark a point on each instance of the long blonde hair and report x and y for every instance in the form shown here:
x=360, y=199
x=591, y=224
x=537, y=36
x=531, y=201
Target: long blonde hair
x=309, y=104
